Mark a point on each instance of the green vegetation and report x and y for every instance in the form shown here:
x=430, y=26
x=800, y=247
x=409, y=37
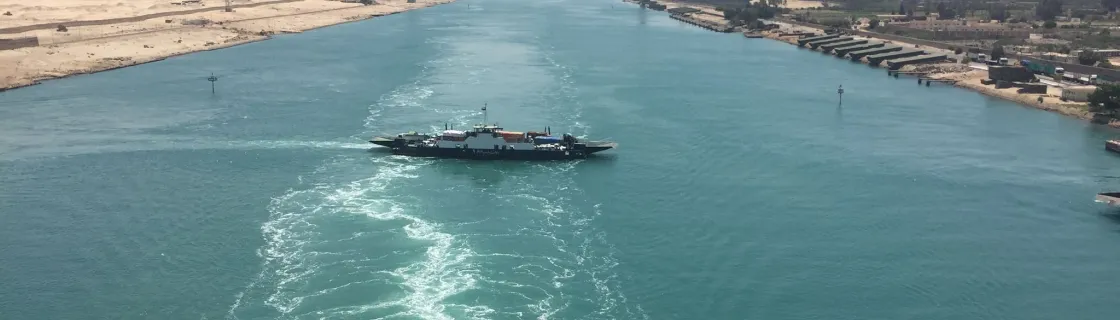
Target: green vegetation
x=832, y=18
x=1100, y=40
x=717, y=3
x=1105, y=100
x=1088, y=57
x=750, y=14
x=1111, y=5
x=1092, y=58
x=945, y=11
x=867, y=5
x=998, y=11
x=997, y=51
x=1048, y=9
x=1059, y=48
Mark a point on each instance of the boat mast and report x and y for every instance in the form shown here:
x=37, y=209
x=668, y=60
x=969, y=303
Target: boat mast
x=484, y=115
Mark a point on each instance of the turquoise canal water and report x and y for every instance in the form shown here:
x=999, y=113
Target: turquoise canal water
x=740, y=189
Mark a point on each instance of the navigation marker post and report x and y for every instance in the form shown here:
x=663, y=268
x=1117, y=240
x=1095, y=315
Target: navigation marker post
x=840, y=92
x=212, y=79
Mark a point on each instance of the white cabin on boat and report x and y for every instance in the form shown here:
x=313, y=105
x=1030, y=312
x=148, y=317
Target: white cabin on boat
x=492, y=137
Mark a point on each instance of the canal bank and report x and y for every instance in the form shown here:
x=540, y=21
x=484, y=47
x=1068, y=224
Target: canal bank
x=933, y=62
x=265, y=202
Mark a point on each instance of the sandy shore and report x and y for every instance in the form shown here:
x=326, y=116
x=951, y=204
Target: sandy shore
x=104, y=46
x=792, y=4
x=1050, y=102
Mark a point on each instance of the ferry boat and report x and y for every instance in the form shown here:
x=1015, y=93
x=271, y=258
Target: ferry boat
x=491, y=142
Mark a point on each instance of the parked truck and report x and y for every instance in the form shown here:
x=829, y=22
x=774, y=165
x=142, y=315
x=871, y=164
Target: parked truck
x=1038, y=67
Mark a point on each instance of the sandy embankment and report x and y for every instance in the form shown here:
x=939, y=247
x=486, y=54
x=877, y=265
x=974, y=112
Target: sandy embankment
x=1050, y=100
x=86, y=49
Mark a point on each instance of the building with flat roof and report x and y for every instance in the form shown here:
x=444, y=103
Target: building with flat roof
x=944, y=30
x=682, y=10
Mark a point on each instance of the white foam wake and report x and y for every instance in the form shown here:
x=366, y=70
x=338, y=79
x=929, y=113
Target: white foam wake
x=301, y=252
x=296, y=223
x=299, y=218
x=304, y=253
x=160, y=143
x=584, y=254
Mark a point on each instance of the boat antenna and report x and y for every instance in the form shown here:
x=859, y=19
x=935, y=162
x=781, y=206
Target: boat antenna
x=484, y=116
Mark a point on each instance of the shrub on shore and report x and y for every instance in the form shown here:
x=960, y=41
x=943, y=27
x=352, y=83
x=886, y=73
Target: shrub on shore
x=1105, y=100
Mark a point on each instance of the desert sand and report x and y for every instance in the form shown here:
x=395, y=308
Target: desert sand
x=103, y=46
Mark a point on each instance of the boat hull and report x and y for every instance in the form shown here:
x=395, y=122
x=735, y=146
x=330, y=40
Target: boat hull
x=1111, y=198
x=580, y=152
x=1112, y=145
x=488, y=154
